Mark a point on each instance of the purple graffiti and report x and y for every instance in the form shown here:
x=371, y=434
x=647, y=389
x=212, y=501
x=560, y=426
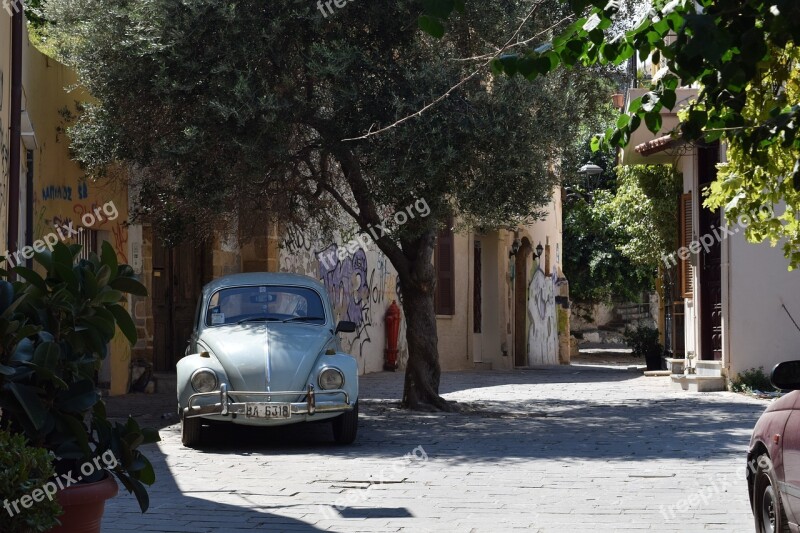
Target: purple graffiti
x=346, y=283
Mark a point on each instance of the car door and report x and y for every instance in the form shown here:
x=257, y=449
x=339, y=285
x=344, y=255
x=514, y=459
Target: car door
x=789, y=483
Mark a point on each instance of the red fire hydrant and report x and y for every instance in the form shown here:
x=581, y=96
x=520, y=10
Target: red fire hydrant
x=392, y=334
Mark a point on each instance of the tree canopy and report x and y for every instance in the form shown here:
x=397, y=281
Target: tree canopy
x=227, y=110
x=740, y=52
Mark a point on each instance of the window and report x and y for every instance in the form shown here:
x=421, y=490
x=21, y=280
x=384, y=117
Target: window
x=444, y=262
x=477, y=299
x=87, y=238
x=264, y=303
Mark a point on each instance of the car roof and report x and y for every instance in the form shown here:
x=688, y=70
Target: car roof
x=263, y=278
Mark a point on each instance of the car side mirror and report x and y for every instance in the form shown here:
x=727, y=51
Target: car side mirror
x=345, y=326
x=786, y=375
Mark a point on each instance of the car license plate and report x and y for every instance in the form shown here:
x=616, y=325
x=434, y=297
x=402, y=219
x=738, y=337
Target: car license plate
x=268, y=410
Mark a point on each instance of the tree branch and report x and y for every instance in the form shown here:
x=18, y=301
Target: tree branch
x=457, y=85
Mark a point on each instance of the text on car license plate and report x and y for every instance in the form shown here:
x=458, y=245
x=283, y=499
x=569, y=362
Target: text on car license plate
x=268, y=410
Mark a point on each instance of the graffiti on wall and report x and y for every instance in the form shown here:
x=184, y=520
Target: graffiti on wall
x=543, y=332
x=114, y=225
x=361, y=287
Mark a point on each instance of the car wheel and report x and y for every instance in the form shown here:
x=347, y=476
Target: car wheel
x=767, y=508
x=345, y=426
x=190, y=432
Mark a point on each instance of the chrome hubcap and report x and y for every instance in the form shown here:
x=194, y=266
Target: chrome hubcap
x=768, y=510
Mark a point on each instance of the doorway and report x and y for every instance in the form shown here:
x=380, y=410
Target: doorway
x=179, y=274
x=710, y=264
x=521, y=304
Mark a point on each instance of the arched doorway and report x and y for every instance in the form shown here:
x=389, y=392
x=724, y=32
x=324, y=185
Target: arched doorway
x=521, y=303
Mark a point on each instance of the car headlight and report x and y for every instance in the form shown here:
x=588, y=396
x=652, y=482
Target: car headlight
x=204, y=380
x=331, y=378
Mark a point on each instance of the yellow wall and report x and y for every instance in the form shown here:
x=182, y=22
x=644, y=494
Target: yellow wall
x=61, y=194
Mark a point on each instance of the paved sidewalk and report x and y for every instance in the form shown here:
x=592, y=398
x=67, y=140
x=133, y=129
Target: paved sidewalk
x=554, y=449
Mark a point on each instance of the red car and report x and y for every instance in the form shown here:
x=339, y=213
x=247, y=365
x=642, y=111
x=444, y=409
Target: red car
x=773, y=460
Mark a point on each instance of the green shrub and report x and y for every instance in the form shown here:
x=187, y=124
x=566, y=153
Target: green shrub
x=643, y=340
x=752, y=380
x=24, y=469
x=55, y=328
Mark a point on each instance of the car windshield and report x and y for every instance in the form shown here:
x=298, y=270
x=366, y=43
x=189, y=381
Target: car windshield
x=265, y=303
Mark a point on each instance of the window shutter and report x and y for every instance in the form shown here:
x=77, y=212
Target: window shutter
x=444, y=261
x=687, y=282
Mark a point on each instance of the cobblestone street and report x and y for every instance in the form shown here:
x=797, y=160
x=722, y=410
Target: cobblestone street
x=554, y=449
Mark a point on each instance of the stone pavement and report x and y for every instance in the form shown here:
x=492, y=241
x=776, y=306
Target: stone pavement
x=553, y=449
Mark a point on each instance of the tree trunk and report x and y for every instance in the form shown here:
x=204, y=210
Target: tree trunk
x=423, y=372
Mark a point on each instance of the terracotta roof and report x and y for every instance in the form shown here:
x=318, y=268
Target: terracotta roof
x=658, y=144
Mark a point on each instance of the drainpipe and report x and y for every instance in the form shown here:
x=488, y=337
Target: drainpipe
x=16, y=129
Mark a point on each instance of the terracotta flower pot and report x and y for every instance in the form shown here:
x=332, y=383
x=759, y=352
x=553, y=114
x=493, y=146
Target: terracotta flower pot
x=84, y=505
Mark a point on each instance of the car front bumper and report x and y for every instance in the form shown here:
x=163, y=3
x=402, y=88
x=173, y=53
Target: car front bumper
x=325, y=401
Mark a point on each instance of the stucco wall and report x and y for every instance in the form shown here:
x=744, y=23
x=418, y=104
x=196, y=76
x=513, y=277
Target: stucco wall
x=455, y=331
x=760, y=332
x=61, y=194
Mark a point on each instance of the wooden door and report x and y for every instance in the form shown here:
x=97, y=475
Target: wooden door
x=178, y=277
x=521, y=304
x=710, y=264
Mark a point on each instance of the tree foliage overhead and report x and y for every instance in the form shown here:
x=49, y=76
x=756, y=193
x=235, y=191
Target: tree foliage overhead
x=738, y=51
x=230, y=108
x=233, y=106
x=762, y=187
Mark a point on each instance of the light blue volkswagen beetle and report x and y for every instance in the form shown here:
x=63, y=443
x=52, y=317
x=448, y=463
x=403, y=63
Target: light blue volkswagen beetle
x=265, y=351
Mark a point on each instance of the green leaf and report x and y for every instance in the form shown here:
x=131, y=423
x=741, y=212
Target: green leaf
x=103, y=326
x=623, y=120
x=129, y=286
x=90, y=286
x=81, y=396
x=108, y=296
x=31, y=277
x=431, y=26
x=146, y=475
x=151, y=435
x=46, y=355
x=653, y=121
x=66, y=274
x=77, y=430
x=668, y=98
x=125, y=322
x=109, y=257
x=31, y=403
x=438, y=8
x=103, y=275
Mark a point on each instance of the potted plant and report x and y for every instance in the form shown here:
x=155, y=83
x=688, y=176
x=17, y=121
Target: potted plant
x=643, y=341
x=24, y=470
x=54, y=335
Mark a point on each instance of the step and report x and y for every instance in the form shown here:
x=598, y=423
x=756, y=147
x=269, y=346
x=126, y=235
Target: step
x=165, y=382
x=695, y=383
x=482, y=366
x=708, y=368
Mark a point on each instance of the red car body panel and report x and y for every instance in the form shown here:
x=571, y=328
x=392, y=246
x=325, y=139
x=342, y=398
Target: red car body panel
x=777, y=433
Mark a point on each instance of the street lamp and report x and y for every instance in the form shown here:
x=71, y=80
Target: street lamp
x=590, y=169
x=539, y=250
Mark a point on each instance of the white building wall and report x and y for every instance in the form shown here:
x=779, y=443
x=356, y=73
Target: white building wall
x=760, y=332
